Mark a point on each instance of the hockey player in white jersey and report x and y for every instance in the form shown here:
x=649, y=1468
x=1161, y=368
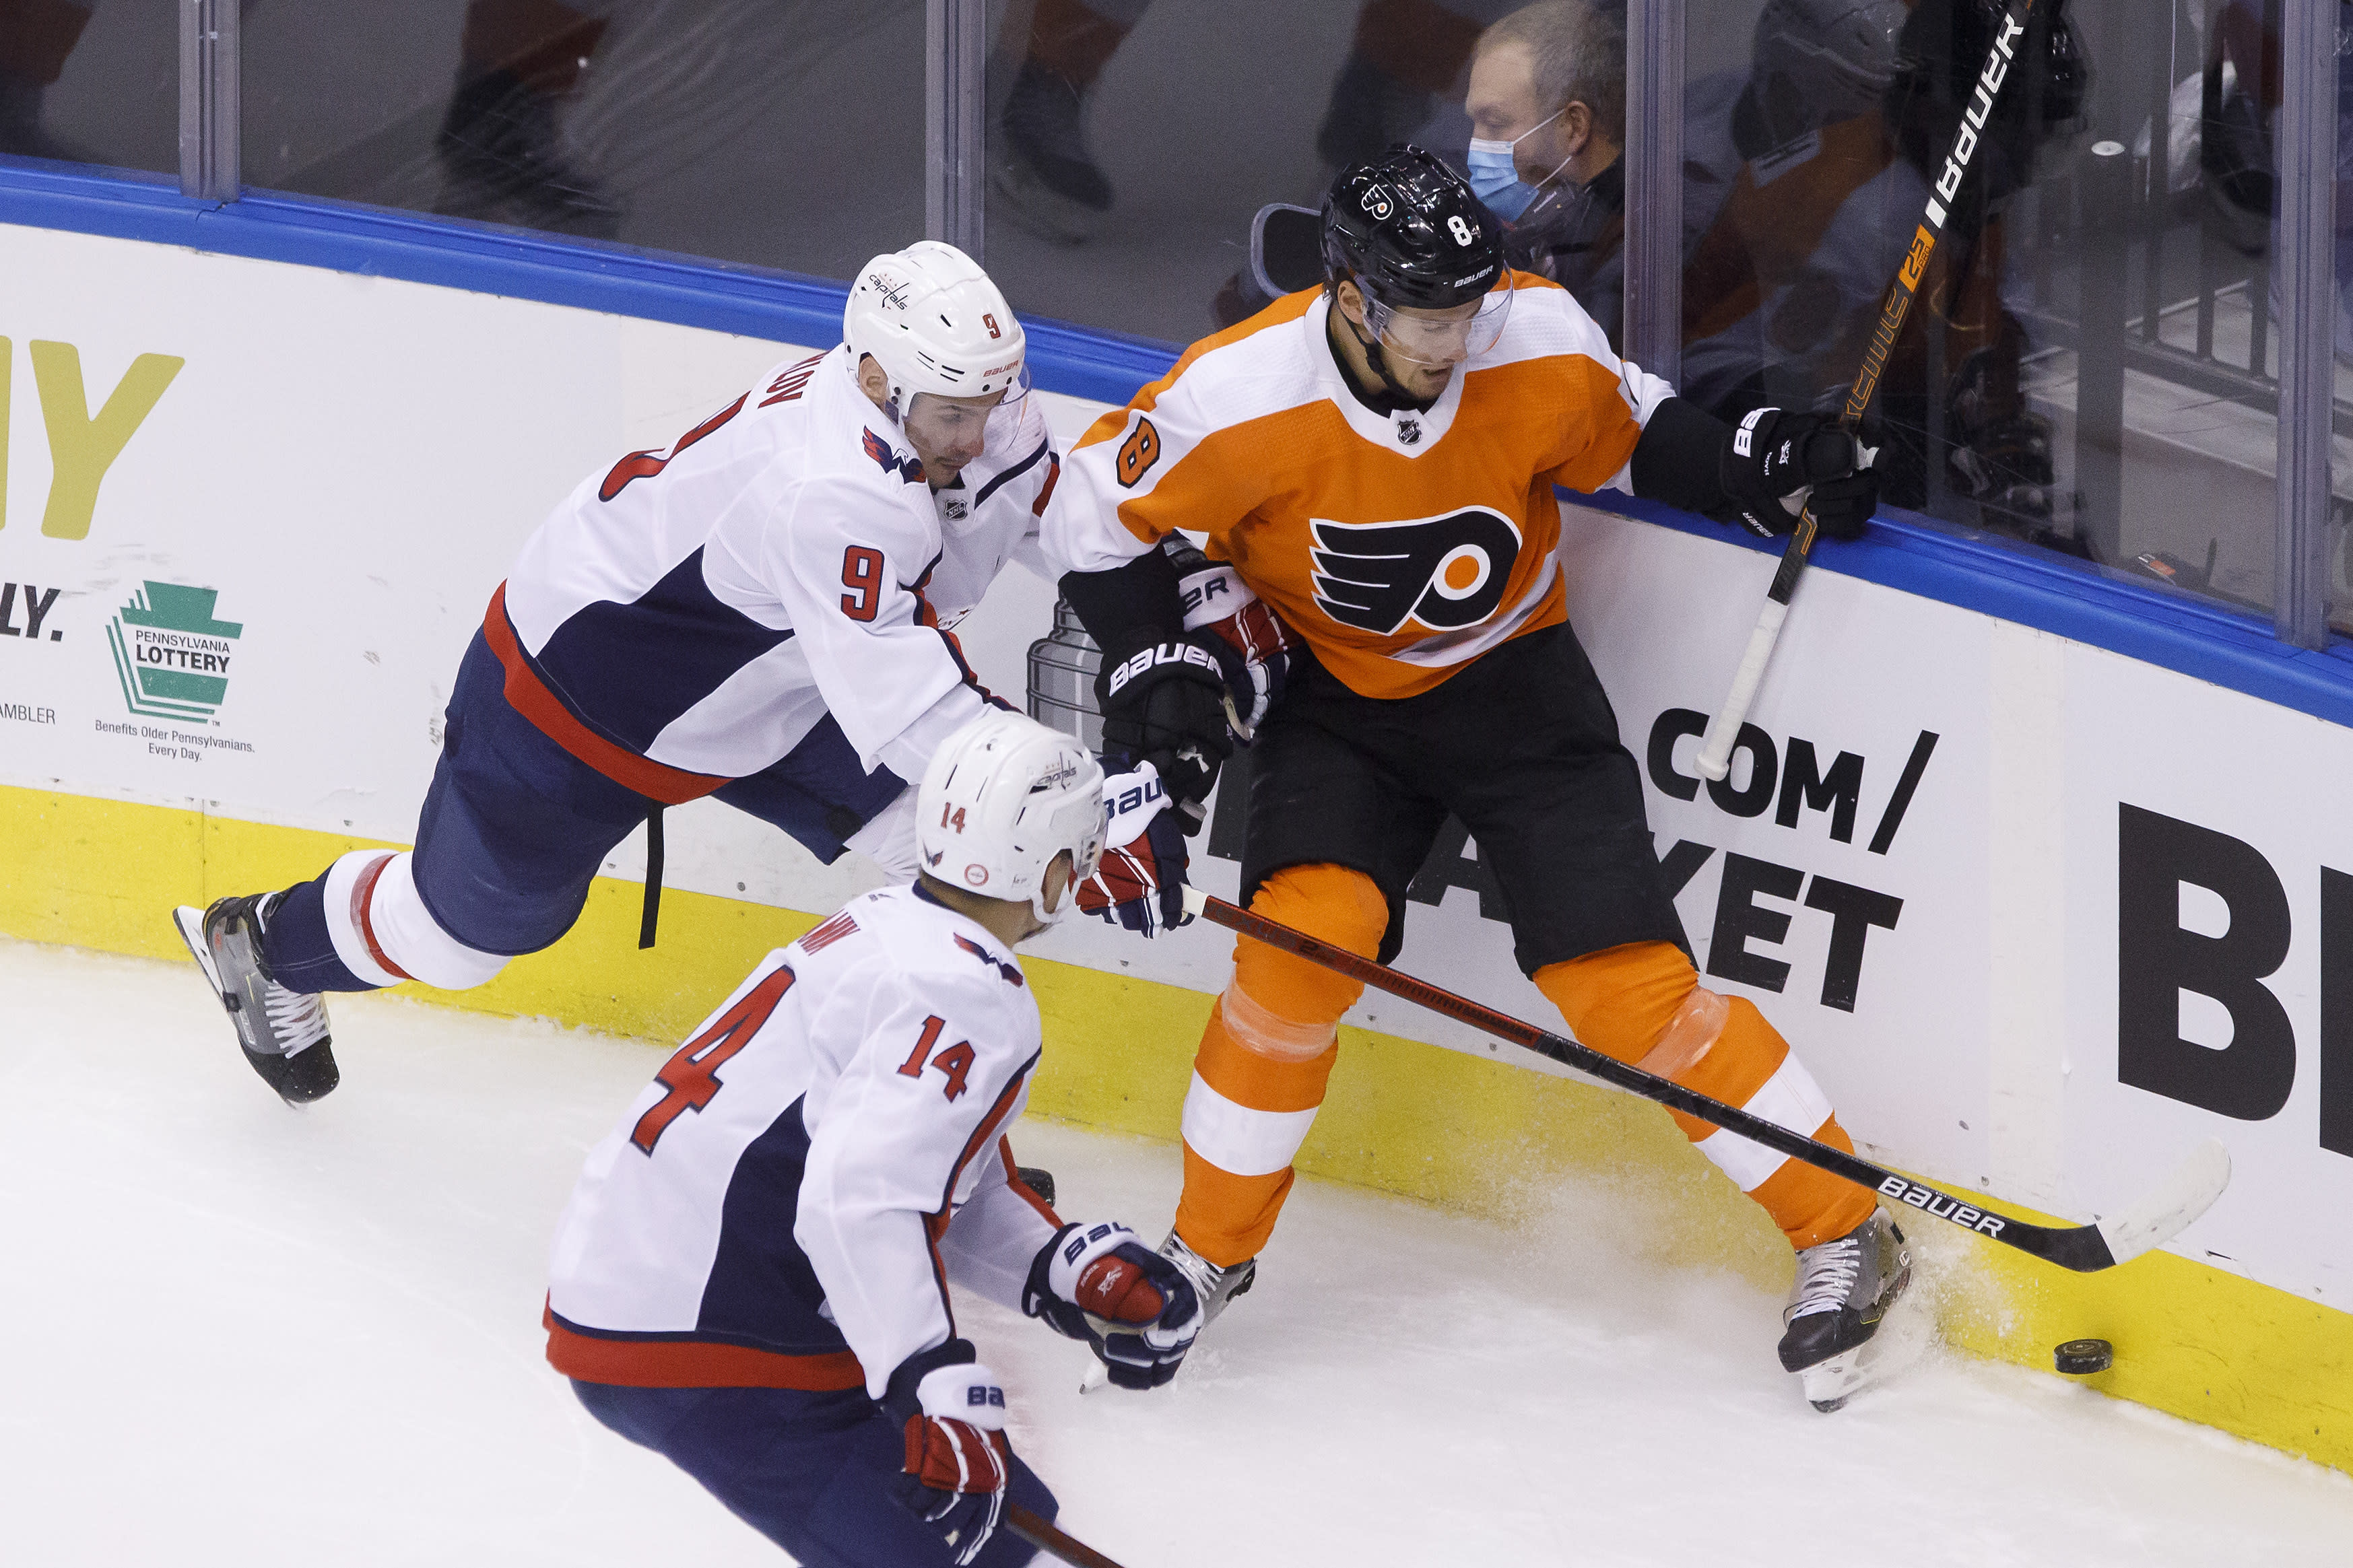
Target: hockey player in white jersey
x=752, y=1276
x=760, y=612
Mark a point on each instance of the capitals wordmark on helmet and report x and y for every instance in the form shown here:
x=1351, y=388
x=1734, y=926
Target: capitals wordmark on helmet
x=1447, y=571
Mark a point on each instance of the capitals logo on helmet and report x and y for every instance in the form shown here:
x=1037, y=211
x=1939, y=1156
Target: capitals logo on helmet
x=1447, y=572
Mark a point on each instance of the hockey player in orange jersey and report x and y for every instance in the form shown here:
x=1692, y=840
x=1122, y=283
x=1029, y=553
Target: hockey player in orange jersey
x=1374, y=464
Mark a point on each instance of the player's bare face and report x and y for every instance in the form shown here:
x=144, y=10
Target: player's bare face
x=949, y=432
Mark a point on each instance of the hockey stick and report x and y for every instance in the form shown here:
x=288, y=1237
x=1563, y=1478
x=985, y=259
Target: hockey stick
x=2159, y=1217
x=1052, y=1541
x=1714, y=759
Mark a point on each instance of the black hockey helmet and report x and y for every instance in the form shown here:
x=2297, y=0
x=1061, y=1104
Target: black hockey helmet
x=1411, y=234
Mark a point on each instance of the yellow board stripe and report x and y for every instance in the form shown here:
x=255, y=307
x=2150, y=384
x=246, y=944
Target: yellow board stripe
x=1401, y=1116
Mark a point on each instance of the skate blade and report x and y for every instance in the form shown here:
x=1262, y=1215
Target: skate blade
x=189, y=921
x=1041, y=209
x=1829, y=1385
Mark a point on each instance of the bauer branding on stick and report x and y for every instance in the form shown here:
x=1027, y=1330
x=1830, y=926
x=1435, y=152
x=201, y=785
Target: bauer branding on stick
x=2160, y=1215
x=1714, y=759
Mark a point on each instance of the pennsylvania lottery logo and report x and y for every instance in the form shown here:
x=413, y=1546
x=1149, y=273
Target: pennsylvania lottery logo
x=172, y=656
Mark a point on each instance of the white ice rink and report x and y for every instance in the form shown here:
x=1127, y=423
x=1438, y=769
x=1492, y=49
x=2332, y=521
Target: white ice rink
x=240, y=1335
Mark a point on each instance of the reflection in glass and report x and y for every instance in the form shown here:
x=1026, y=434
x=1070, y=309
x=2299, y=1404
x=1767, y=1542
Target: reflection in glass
x=1130, y=144
x=2091, y=366
x=785, y=136
x=90, y=83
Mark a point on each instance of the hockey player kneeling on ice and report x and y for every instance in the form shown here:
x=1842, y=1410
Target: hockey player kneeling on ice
x=759, y=613
x=1373, y=463
x=752, y=1276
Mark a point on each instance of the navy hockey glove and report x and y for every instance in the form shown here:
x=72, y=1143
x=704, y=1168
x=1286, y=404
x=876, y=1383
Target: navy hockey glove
x=1139, y=883
x=958, y=1463
x=1164, y=703
x=1100, y=1284
x=1776, y=464
x=1252, y=647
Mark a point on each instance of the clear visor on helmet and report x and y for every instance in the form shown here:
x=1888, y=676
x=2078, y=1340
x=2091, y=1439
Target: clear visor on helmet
x=1441, y=337
x=960, y=429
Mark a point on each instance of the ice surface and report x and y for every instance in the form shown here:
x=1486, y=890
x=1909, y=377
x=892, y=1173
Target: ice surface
x=242, y=1335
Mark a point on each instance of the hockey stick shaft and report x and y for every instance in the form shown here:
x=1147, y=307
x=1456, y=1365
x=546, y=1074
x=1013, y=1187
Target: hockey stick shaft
x=1714, y=760
x=2084, y=1248
x=1052, y=1541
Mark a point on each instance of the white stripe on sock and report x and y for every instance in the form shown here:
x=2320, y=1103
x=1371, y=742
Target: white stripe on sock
x=1789, y=1099
x=1237, y=1139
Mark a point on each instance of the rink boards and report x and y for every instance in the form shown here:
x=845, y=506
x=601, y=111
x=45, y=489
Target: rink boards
x=2039, y=915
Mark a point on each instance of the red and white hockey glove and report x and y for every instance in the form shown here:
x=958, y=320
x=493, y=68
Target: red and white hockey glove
x=1100, y=1284
x=1139, y=883
x=1252, y=647
x=958, y=1463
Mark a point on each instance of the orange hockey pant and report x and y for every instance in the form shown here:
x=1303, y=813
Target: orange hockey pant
x=1273, y=1035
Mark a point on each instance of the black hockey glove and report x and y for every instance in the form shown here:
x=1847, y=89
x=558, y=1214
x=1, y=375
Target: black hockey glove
x=1776, y=464
x=958, y=1464
x=1100, y=1284
x=1164, y=703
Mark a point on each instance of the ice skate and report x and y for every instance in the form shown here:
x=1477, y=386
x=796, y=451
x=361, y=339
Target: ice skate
x=284, y=1033
x=505, y=158
x=1843, y=1289
x=1044, y=171
x=1215, y=1286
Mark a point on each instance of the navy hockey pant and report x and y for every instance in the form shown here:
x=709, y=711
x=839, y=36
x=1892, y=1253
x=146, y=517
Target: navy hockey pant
x=515, y=828
x=819, y=1474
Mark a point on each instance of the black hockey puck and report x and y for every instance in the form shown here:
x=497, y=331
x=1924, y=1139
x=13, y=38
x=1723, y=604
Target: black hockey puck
x=2081, y=1358
x=1039, y=1181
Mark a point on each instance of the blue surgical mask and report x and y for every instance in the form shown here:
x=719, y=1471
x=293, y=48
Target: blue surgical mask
x=1495, y=180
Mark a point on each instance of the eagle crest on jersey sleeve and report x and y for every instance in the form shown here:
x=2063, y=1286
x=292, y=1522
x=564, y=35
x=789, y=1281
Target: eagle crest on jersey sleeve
x=1448, y=572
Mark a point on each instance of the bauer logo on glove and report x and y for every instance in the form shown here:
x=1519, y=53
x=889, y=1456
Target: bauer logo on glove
x=1139, y=883
x=1100, y=1284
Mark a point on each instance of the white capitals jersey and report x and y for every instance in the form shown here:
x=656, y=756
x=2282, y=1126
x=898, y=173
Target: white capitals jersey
x=784, y=1205
x=773, y=592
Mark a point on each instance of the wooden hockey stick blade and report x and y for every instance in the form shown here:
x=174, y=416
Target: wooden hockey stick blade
x=1052, y=1541
x=2085, y=1248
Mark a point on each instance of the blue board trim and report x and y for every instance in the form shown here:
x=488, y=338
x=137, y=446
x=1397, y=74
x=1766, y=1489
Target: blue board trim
x=421, y=247
x=2065, y=597
x=2173, y=631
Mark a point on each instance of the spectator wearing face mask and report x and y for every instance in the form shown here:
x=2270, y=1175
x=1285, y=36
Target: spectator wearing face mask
x=1547, y=108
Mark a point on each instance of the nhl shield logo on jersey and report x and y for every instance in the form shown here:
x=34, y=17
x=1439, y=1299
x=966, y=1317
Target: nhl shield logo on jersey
x=1447, y=572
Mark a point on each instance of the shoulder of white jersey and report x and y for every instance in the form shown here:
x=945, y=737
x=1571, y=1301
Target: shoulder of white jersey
x=931, y=944
x=1545, y=322
x=1262, y=366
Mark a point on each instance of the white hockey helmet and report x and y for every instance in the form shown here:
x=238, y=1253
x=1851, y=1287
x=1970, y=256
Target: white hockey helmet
x=935, y=323
x=1003, y=796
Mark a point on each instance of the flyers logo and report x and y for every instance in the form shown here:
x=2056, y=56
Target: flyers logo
x=1447, y=572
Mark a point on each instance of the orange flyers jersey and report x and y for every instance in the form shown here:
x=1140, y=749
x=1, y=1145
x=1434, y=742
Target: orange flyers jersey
x=1400, y=546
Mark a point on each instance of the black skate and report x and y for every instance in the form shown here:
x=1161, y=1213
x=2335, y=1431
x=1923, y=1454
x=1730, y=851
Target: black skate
x=1215, y=1286
x=1843, y=1289
x=1044, y=172
x=284, y=1033
x=505, y=160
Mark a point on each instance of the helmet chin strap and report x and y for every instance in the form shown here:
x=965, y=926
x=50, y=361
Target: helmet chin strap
x=1378, y=360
